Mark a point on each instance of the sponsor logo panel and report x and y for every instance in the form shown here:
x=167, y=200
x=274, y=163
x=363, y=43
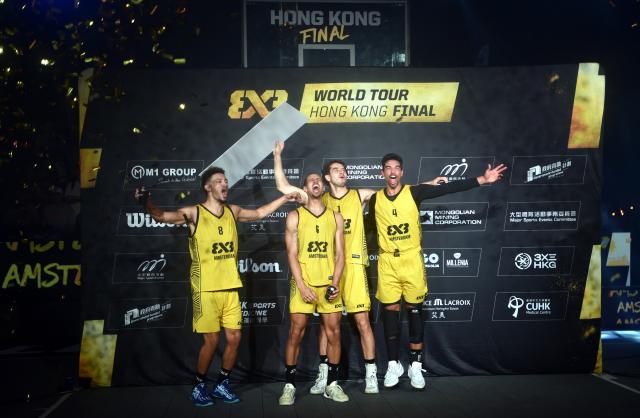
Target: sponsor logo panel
x=165, y=267
x=274, y=224
x=548, y=169
x=536, y=261
x=453, y=168
x=263, y=265
x=454, y=216
x=449, y=307
x=163, y=174
x=263, y=311
x=133, y=220
x=452, y=262
x=263, y=174
x=530, y=306
x=147, y=313
x=542, y=216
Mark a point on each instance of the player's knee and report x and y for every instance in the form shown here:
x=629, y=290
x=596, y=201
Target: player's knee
x=391, y=323
x=296, y=333
x=416, y=326
x=233, y=338
x=362, y=322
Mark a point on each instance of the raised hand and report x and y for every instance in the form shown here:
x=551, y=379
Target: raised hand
x=491, y=175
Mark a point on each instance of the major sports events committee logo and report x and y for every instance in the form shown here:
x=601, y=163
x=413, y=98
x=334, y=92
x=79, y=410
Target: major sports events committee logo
x=244, y=104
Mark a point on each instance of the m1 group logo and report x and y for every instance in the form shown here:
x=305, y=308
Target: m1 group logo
x=449, y=307
x=165, y=267
x=530, y=306
x=147, y=313
x=548, y=169
x=163, y=174
x=244, y=104
x=453, y=168
x=536, y=261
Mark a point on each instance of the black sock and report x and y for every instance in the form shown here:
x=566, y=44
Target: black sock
x=372, y=361
x=324, y=359
x=200, y=378
x=290, y=374
x=332, y=376
x=416, y=355
x=224, y=374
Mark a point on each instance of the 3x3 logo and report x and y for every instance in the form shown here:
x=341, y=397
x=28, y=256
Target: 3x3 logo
x=243, y=104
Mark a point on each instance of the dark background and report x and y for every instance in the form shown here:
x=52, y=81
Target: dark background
x=38, y=111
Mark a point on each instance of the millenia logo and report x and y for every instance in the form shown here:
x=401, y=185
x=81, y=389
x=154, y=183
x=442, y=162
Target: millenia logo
x=243, y=104
x=144, y=220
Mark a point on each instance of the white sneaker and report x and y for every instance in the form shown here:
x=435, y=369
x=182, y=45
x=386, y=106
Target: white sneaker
x=335, y=393
x=394, y=371
x=288, y=395
x=370, y=378
x=415, y=374
x=321, y=381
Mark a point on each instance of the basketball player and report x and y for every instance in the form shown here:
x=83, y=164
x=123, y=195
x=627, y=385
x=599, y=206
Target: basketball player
x=213, y=245
x=401, y=271
x=315, y=249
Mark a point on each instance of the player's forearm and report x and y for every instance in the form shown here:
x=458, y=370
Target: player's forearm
x=269, y=208
x=338, y=268
x=296, y=271
x=282, y=183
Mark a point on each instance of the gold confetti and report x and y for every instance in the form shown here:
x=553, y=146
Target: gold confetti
x=136, y=130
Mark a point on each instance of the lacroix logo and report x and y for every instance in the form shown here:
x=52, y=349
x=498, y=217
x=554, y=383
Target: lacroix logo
x=243, y=104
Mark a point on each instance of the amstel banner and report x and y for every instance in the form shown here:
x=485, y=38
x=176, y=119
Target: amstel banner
x=511, y=266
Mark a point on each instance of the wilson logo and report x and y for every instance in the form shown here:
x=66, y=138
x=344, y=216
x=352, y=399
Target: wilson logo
x=243, y=104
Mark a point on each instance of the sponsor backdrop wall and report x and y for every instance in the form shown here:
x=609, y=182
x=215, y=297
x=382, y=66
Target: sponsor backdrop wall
x=508, y=264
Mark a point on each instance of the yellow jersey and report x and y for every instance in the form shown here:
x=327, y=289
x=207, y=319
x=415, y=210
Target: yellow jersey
x=316, y=245
x=350, y=207
x=398, y=222
x=214, y=251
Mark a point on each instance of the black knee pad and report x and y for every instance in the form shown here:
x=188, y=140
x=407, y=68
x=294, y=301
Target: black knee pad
x=391, y=323
x=416, y=326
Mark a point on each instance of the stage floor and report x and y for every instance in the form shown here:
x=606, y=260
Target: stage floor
x=518, y=396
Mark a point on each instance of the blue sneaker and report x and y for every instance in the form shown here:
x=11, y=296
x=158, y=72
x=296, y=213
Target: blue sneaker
x=199, y=395
x=224, y=392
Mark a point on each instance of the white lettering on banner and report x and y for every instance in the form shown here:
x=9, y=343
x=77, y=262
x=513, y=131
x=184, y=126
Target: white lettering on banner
x=144, y=220
x=248, y=265
x=280, y=17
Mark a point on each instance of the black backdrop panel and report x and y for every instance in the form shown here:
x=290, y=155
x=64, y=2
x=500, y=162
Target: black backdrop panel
x=507, y=263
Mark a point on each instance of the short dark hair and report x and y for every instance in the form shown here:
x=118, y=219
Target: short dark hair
x=207, y=175
x=326, y=168
x=391, y=156
x=309, y=174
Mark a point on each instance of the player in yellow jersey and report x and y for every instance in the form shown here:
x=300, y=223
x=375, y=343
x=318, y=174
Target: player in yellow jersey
x=354, y=285
x=401, y=271
x=213, y=245
x=315, y=249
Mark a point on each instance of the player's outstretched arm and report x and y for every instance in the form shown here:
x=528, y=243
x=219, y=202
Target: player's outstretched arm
x=247, y=215
x=491, y=175
x=178, y=217
x=291, y=241
x=282, y=183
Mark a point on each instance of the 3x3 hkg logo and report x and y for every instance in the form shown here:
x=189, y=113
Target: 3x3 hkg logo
x=243, y=104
